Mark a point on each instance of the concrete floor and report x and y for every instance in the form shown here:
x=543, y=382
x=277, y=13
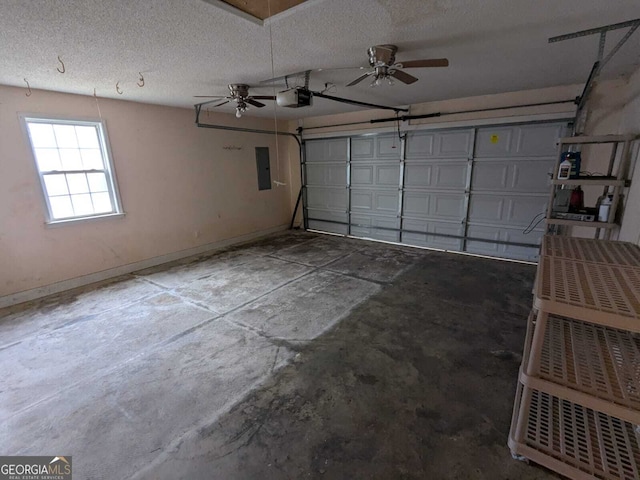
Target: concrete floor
x=297, y=356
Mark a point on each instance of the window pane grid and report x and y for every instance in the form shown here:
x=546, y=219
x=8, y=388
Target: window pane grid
x=49, y=172
x=73, y=167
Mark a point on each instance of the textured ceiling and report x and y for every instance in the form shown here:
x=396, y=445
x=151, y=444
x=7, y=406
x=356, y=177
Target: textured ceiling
x=189, y=47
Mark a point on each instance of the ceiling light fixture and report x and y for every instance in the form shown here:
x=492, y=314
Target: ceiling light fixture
x=241, y=107
x=381, y=73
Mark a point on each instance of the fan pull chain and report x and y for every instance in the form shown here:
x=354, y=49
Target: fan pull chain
x=277, y=182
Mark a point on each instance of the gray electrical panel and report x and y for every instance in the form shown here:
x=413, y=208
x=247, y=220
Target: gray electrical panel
x=264, y=172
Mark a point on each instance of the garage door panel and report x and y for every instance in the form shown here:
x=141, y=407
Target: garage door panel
x=490, y=176
x=331, y=198
x=330, y=150
x=503, y=250
x=487, y=208
x=417, y=204
x=448, y=206
x=387, y=175
x=453, y=175
x=454, y=144
x=326, y=174
x=418, y=175
x=430, y=226
x=362, y=148
x=420, y=145
x=362, y=175
x=521, y=175
x=375, y=148
x=522, y=210
x=375, y=201
x=445, y=144
x=505, y=210
x=376, y=175
x=362, y=226
x=535, y=139
x=492, y=142
x=389, y=147
x=326, y=221
x=449, y=175
x=533, y=176
x=435, y=205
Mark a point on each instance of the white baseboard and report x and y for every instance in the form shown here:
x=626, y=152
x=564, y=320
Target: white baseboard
x=27, y=295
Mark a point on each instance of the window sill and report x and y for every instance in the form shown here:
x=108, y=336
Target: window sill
x=68, y=221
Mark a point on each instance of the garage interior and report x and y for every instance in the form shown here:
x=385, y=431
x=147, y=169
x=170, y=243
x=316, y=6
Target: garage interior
x=321, y=239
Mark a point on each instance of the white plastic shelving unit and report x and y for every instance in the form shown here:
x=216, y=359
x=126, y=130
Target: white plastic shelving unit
x=577, y=407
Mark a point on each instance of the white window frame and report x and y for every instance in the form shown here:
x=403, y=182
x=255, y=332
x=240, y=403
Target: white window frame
x=109, y=171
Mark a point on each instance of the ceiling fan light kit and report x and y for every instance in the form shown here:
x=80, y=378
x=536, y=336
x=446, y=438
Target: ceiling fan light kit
x=382, y=61
x=238, y=93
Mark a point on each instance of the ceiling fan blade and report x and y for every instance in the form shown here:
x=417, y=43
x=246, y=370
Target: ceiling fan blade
x=263, y=97
x=251, y=101
x=433, y=62
x=403, y=76
x=360, y=78
x=209, y=96
x=220, y=104
x=342, y=68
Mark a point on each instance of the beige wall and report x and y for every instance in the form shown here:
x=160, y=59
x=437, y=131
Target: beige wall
x=179, y=188
x=630, y=123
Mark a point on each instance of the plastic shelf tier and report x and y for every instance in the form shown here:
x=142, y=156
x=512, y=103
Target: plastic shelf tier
x=576, y=441
x=600, y=361
x=604, y=294
x=591, y=250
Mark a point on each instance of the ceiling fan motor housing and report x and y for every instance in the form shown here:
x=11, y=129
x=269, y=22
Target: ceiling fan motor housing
x=239, y=90
x=382, y=55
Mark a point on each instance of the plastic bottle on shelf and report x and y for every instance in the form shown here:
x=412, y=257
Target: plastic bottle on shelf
x=605, y=207
x=576, y=201
x=576, y=161
x=564, y=172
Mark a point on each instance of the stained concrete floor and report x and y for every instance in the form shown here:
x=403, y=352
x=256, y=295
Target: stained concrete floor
x=296, y=356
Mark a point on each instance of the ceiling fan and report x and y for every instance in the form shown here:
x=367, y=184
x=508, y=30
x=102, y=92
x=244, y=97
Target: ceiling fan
x=238, y=93
x=382, y=60
x=382, y=65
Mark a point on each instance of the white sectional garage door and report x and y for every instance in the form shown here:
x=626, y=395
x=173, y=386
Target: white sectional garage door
x=473, y=189
x=435, y=188
x=375, y=187
x=326, y=192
